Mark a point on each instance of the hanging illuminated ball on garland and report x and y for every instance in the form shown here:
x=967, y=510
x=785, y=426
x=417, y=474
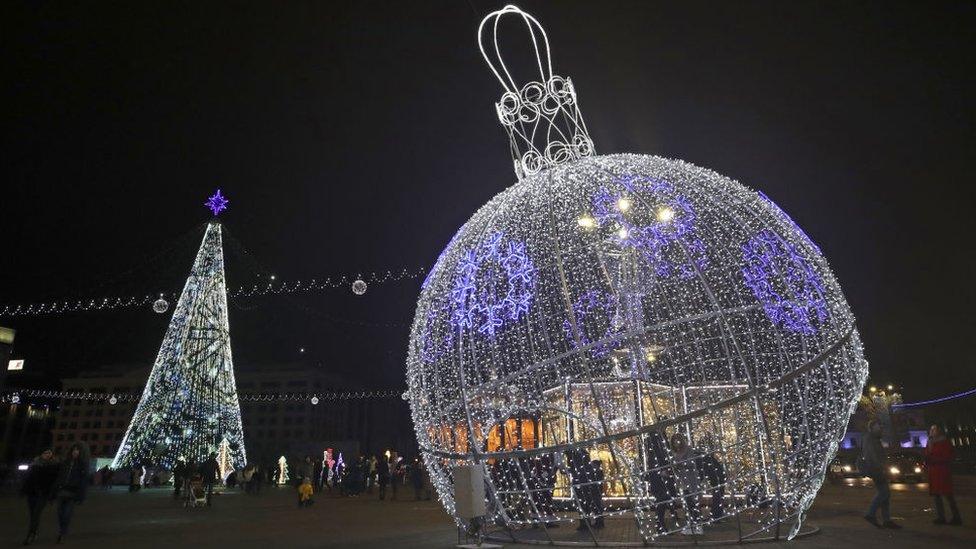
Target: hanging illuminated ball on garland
x=359, y=286
x=160, y=306
x=605, y=309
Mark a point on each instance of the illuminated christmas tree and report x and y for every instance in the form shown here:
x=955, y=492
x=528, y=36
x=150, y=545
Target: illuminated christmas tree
x=225, y=460
x=282, y=470
x=190, y=404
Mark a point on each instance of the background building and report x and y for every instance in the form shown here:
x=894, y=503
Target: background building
x=278, y=415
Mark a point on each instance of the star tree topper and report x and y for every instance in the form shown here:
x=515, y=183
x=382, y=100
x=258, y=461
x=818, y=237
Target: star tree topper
x=217, y=203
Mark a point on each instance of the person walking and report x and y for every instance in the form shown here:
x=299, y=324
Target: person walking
x=938, y=461
x=71, y=486
x=872, y=465
x=208, y=473
x=179, y=477
x=578, y=463
x=371, y=479
x=395, y=475
x=383, y=477
x=659, y=482
x=38, y=487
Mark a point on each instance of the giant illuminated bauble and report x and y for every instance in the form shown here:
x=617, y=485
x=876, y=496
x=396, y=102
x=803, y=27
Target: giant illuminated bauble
x=635, y=271
x=603, y=305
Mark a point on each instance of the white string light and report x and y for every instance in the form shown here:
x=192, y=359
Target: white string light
x=255, y=290
x=115, y=398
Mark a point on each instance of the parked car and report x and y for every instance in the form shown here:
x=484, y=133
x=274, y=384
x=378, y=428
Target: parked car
x=843, y=466
x=900, y=466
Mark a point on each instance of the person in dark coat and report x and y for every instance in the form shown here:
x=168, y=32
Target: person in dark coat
x=578, y=462
x=38, y=488
x=179, y=477
x=307, y=469
x=538, y=476
x=687, y=481
x=383, y=476
x=545, y=473
x=396, y=475
x=105, y=477
x=417, y=477
x=135, y=477
x=514, y=499
x=938, y=459
x=596, y=491
x=71, y=486
x=352, y=478
x=660, y=483
x=713, y=474
x=872, y=465
x=209, y=471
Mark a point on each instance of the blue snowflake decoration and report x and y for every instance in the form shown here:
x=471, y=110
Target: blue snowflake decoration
x=789, y=220
x=659, y=240
x=592, y=308
x=785, y=284
x=494, y=284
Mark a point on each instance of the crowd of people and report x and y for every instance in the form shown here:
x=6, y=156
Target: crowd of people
x=385, y=474
x=677, y=477
x=677, y=474
x=64, y=482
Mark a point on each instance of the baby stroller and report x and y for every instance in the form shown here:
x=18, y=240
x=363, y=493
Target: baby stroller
x=196, y=495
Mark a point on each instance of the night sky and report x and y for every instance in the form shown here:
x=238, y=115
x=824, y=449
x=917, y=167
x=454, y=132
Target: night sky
x=358, y=136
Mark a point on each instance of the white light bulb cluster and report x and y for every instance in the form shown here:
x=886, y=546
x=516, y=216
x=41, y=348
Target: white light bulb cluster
x=616, y=335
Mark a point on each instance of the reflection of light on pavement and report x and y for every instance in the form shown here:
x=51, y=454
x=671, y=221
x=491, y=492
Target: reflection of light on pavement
x=896, y=486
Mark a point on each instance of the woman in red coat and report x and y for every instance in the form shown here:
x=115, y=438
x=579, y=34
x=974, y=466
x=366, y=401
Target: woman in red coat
x=938, y=460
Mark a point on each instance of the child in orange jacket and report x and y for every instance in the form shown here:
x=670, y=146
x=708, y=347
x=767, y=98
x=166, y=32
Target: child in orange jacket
x=305, y=493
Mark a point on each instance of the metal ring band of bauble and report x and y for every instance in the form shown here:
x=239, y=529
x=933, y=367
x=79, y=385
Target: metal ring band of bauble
x=661, y=425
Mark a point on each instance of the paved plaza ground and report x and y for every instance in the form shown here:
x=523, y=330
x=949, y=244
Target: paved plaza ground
x=271, y=520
